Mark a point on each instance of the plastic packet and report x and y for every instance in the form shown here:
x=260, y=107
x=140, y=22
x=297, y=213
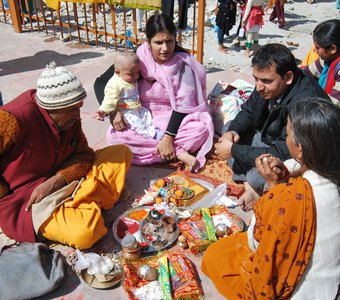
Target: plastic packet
x=85, y=260
x=103, y=266
x=209, y=225
x=226, y=201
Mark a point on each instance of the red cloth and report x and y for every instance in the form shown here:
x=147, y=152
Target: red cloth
x=279, y=13
x=330, y=76
x=255, y=17
x=36, y=156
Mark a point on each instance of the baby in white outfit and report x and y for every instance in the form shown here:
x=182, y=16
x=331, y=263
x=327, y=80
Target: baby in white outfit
x=121, y=93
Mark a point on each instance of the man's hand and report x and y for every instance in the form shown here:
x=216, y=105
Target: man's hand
x=224, y=144
x=165, y=148
x=117, y=121
x=44, y=189
x=231, y=136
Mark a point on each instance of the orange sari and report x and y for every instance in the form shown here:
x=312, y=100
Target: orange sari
x=285, y=230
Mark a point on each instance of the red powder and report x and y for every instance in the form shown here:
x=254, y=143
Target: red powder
x=126, y=225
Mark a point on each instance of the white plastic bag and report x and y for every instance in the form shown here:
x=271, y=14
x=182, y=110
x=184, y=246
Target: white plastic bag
x=85, y=260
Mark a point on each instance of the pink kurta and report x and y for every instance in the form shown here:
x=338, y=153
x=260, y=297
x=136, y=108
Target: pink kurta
x=180, y=85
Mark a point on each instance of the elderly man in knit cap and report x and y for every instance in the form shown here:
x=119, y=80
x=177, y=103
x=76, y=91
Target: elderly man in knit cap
x=43, y=156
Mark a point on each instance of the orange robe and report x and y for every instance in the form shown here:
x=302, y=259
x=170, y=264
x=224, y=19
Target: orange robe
x=285, y=232
x=79, y=221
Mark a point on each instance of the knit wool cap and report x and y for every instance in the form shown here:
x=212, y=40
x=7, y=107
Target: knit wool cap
x=58, y=88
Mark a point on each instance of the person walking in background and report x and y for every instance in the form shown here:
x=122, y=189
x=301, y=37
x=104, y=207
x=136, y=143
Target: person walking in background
x=278, y=12
x=5, y=5
x=139, y=19
x=269, y=5
x=25, y=10
x=240, y=34
x=225, y=20
x=252, y=21
x=29, y=9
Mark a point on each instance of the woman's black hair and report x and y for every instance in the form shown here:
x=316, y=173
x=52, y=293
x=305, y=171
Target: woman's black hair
x=277, y=54
x=327, y=34
x=159, y=23
x=316, y=127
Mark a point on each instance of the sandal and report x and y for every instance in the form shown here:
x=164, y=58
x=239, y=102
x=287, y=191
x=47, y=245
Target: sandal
x=293, y=44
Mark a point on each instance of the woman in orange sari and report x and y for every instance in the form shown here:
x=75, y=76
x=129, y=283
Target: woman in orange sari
x=291, y=247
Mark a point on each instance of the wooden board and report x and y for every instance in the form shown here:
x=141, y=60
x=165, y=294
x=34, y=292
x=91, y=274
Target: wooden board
x=199, y=190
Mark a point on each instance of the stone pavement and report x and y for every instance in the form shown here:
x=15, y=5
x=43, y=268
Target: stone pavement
x=22, y=58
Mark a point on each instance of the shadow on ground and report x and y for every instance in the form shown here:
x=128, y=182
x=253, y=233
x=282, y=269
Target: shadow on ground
x=213, y=69
x=40, y=59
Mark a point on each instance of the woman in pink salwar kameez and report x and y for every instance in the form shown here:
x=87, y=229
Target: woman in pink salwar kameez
x=173, y=88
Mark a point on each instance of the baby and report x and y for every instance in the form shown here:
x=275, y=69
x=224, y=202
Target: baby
x=121, y=93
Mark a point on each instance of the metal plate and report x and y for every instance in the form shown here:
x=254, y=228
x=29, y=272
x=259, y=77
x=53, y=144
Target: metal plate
x=138, y=234
x=92, y=281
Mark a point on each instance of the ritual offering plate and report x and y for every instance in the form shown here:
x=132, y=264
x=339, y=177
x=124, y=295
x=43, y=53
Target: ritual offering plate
x=179, y=189
x=153, y=229
x=182, y=192
x=176, y=188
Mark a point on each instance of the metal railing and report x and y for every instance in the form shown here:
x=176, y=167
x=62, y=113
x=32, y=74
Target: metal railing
x=97, y=24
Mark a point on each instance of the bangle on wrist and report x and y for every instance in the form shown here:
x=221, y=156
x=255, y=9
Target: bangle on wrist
x=170, y=134
x=169, y=137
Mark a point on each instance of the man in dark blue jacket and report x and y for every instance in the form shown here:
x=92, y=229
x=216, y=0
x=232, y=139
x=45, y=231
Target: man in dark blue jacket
x=260, y=127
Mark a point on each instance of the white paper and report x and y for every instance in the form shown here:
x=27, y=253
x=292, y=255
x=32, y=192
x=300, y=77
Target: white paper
x=211, y=198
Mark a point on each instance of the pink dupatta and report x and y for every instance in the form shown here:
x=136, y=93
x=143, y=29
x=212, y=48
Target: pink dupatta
x=151, y=70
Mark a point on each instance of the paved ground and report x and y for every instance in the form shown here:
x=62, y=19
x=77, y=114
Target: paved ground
x=22, y=59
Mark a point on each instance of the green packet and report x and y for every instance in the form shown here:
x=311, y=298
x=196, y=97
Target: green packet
x=209, y=225
x=164, y=277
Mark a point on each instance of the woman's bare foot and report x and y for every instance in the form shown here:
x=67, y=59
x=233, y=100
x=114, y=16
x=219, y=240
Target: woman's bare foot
x=222, y=48
x=188, y=159
x=246, y=201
